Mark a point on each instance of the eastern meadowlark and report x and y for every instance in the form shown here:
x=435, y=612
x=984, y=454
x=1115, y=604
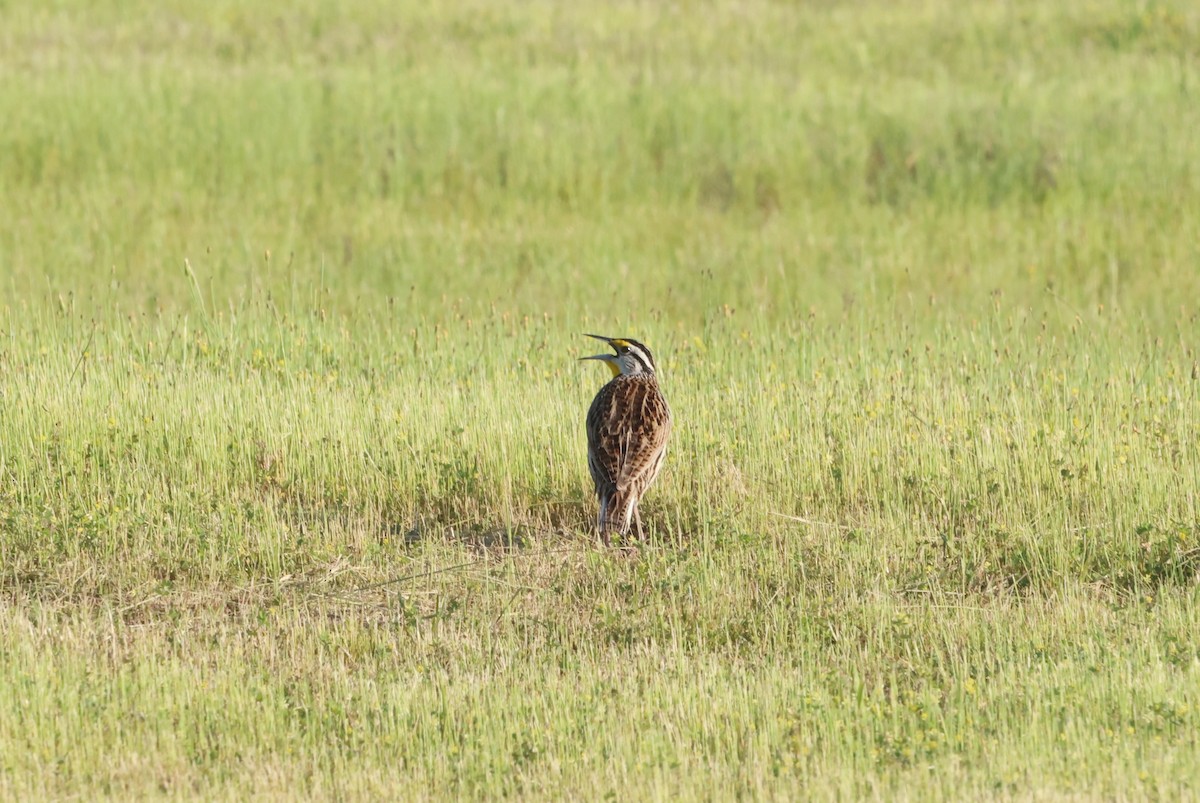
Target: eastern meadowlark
x=627, y=427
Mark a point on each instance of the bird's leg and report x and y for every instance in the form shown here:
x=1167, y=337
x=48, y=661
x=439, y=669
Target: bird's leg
x=602, y=519
x=637, y=520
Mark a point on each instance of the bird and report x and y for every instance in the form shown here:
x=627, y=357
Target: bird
x=628, y=425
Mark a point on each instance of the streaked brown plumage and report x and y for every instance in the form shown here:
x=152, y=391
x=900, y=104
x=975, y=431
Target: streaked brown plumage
x=628, y=425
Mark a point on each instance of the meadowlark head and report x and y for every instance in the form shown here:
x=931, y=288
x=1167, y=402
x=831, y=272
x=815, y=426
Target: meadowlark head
x=631, y=356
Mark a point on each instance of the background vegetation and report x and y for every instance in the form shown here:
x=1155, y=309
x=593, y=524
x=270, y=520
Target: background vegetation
x=293, y=497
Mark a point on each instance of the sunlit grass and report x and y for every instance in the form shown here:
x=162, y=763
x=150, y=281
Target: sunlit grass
x=293, y=497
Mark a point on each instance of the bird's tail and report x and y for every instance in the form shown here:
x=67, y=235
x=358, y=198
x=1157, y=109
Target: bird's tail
x=616, y=511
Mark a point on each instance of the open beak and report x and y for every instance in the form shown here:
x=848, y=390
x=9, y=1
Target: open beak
x=608, y=359
x=607, y=340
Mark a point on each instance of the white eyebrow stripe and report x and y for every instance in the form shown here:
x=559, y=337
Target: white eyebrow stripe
x=642, y=356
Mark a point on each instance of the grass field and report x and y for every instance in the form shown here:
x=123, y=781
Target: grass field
x=293, y=490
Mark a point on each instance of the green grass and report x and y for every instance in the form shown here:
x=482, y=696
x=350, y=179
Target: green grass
x=293, y=496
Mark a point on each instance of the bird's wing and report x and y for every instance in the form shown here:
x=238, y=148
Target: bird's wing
x=603, y=458
x=628, y=426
